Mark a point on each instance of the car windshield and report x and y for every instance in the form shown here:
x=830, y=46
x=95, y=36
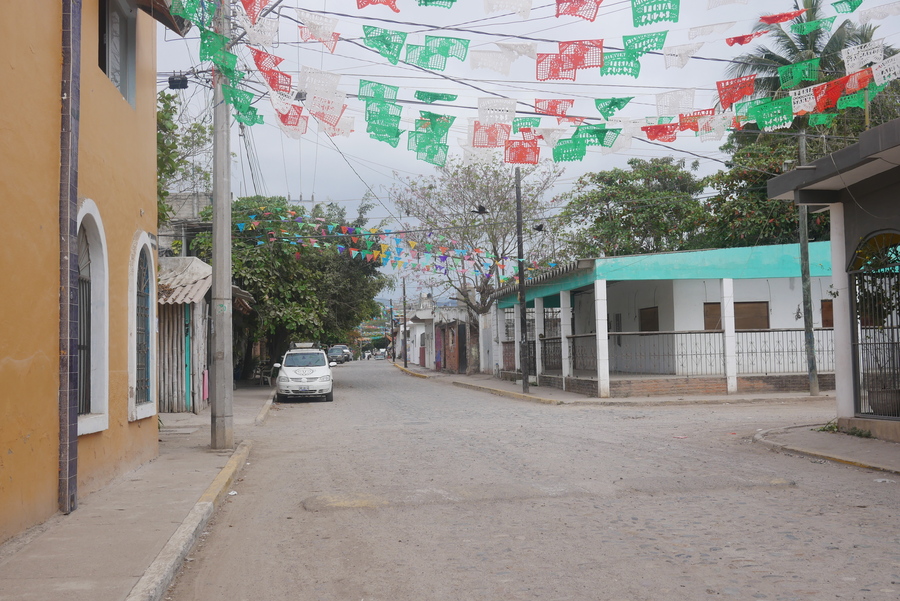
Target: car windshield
x=335, y=351
x=304, y=360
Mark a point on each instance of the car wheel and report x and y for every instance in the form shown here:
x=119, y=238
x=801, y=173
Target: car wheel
x=280, y=398
x=329, y=397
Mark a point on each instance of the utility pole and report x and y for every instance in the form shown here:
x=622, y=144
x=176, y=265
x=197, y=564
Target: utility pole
x=523, y=311
x=392, y=337
x=808, y=335
x=405, y=339
x=222, y=365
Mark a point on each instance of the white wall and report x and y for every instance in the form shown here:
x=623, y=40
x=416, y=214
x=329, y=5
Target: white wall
x=627, y=298
x=784, y=296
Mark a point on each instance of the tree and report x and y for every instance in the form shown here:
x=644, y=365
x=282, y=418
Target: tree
x=472, y=208
x=789, y=48
x=740, y=213
x=183, y=153
x=303, y=291
x=651, y=207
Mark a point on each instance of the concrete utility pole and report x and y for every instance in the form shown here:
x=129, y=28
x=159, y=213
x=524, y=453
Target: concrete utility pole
x=222, y=365
x=523, y=311
x=808, y=335
x=405, y=339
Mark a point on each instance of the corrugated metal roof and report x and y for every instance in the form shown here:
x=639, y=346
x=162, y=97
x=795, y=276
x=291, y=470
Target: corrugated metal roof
x=186, y=280
x=183, y=280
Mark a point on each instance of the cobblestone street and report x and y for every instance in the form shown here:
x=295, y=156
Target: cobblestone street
x=406, y=489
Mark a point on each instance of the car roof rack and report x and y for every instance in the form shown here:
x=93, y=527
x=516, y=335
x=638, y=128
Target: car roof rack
x=296, y=345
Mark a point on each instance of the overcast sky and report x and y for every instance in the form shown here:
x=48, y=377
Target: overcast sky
x=343, y=168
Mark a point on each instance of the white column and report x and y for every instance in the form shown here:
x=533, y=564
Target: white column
x=499, y=335
x=602, y=339
x=518, y=334
x=538, y=335
x=843, y=320
x=565, y=321
x=729, y=346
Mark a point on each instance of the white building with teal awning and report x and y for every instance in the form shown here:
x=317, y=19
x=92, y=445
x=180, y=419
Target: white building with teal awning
x=643, y=325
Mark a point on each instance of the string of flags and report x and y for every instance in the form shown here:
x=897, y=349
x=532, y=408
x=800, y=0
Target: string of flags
x=524, y=138
x=431, y=252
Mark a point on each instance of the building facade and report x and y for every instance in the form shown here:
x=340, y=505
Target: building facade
x=77, y=346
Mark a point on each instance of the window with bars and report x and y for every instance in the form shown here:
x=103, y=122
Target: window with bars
x=509, y=323
x=142, y=330
x=84, y=324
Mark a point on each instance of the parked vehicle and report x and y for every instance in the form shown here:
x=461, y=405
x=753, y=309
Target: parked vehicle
x=304, y=372
x=337, y=355
x=348, y=354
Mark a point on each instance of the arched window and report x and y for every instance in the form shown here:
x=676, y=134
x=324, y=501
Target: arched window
x=142, y=330
x=142, y=359
x=93, y=321
x=84, y=323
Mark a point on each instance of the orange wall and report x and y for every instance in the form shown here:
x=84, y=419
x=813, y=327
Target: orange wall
x=29, y=263
x=117, y=170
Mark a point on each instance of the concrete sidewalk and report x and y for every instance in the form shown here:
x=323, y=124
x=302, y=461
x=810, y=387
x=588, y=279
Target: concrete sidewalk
x=127, y=541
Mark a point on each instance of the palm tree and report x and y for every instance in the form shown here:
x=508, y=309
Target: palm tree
x=788, y=48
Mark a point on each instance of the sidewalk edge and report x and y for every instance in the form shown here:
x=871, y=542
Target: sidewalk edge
x=507, y=393
x=783, y=447
x=156, y=580
x=409, y=372
x=264, y=412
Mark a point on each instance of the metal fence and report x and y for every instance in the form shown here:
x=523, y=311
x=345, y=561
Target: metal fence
x=876, y=338
x=691, y=353
x=551, y=354
x=583, y=352
x=782, y=351
x=667, y=353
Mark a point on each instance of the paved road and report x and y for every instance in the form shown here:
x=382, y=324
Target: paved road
x=406, y=489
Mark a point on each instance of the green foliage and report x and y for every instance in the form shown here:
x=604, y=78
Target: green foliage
x=831, y=426
x=740, y=213
x=854, y=431
x=301, y=292
x=183, y=153
x=651, y=207
x=166, y=152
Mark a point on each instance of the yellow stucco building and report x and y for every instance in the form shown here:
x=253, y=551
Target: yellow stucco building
x=78, y=261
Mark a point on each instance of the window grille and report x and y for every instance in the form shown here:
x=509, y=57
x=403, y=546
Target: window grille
x=84, y=324
x=142, y=381
x=509, y=322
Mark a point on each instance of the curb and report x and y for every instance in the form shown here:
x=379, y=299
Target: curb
x=513, y=395
x=156, y=580
x=264, y=412
x=781, y=447
x=409, y=372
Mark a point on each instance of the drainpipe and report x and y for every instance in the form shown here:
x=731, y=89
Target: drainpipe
x=68, y=255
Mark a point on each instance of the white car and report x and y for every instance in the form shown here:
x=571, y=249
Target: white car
x=304, y=372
